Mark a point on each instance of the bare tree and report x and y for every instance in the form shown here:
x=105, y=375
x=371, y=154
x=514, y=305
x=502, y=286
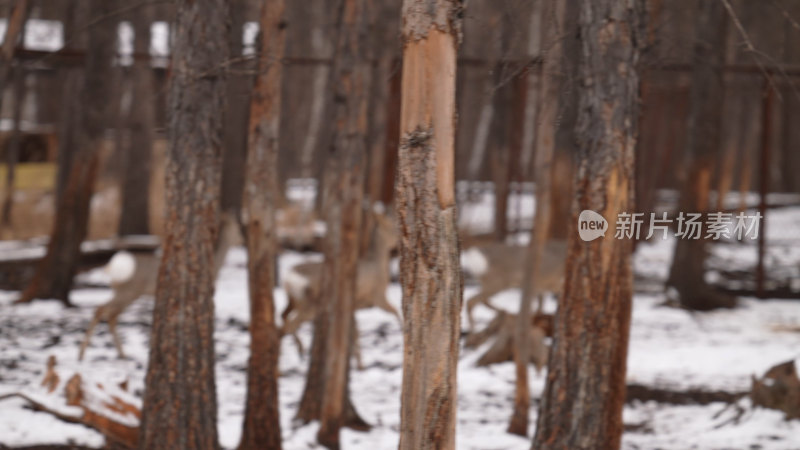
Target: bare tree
x=345, y=190
x=180, y=403
x=15, y=25
x=137, y=153
x=326, y=394
x=430, y=271
x=702, y=144
x=262, y=428
x=585, y=389
x=15, y=140
x=236, y=113
x=547, y=126
x=79, y=152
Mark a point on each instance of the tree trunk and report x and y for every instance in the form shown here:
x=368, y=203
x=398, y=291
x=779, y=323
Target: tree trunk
x=180, y=402
x=547, y=127
x=564, y=159
x=81, y=146
x=15, y=25
x=702, y=144
x=392, y=137
x=239, y=87
x=14, y=143
x=262, y=428
x=384, y=44
x=347, y=157
x=430, y=271
x=585, y=389
x=499, y=134
x=135, y=215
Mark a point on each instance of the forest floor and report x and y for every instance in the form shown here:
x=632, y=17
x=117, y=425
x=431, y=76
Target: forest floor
x=670, y=349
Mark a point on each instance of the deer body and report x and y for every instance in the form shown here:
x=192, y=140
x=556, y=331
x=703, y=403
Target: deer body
x=135, y=275
x=504, y=268
x=303, y=283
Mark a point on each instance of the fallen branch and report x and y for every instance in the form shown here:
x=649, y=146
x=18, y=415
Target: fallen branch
x=642, y=393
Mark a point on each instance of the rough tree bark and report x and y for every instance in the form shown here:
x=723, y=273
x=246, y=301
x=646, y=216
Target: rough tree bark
x=80, y=143
x=262, y=428
x=702, y=144
x=430, y=271
x=547, y=126
x=346, y=161
x=135, y=215
x=240, y=84
x=585, y=388
x=180, y=402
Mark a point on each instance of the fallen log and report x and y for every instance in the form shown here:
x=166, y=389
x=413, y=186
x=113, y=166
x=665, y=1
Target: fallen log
x=107, y=409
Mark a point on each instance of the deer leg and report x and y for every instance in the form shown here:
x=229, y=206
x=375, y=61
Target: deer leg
x=356, y=347
x=290, y=328
x=481, y=297
x=89, y=332
x=290, y=306
x=112, y=326
x=383, y=303
x=539, y=303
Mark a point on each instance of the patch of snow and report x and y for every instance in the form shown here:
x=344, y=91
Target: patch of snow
x=249, y=34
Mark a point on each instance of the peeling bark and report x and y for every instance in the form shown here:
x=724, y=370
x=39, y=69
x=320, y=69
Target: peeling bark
x=430, y=271
x=180, y=401
x=585, y=388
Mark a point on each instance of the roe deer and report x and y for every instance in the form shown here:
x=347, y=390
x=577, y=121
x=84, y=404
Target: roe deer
x=303, y=282
x=134, y=275
x=501, y=267
x=297, y=227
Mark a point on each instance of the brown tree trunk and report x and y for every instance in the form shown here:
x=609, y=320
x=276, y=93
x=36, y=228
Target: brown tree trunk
x=15, y=24
x=13, y=148
x=135, y=215
x=547, y=126
x=585, y=389
x=383, y=39
x=262, y=428
x=564, y=159
x=347, y=157
x=180, y=402
x=240, y=85
x=703, y=142
x=81, y=144
x=392, y=136
x=499, y=129
x=430, y=271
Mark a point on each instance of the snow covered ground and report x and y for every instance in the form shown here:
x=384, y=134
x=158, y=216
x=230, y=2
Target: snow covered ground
x=670, y=348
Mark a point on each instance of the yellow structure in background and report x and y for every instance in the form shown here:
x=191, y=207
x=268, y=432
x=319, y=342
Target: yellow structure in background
x=31, y=176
